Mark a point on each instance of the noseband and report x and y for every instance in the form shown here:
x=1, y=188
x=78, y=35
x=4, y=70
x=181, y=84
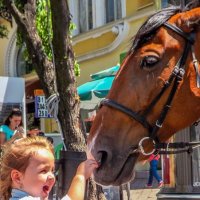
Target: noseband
x=175, y=78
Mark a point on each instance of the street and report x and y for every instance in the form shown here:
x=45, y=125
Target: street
x=143, y=194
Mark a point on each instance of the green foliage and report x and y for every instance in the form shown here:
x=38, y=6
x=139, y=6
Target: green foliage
x=20, y=4
x=1, y=3
x=72, y=27
x=44, y=25
x=77, y=68
x=3, y=31
x=44, y=28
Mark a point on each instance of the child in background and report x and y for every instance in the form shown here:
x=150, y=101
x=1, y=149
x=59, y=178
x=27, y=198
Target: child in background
x=153, y=161
x=27, y=171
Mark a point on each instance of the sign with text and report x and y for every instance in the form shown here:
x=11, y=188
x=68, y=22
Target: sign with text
x=41, y=107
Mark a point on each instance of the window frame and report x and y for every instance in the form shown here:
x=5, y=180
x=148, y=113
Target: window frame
x=165, y=3
x=99, y=14
x=85, y=15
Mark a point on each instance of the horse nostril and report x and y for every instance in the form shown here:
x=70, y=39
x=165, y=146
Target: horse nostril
x=103, y=155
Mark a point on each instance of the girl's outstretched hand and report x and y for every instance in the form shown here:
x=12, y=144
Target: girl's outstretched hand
x=86, y=168
x=84, y=171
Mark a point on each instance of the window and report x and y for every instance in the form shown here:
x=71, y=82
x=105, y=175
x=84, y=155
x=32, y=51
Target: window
x=90, y=14
x=113, y=10
x=22, y=66
x=166, y=3
x=85, y=15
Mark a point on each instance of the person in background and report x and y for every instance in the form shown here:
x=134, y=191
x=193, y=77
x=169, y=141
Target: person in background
x=33, y=131
x=57, y=150
x=50, y=139
x=42, y=134
x=27, y=171
x=2, y=141
x=153, y=161
x=12, y=124
x=2, y=138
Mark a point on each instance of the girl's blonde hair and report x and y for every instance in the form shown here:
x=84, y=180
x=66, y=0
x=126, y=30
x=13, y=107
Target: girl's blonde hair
x=16, y=155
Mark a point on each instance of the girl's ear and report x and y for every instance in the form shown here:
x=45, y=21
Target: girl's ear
x=16, y=177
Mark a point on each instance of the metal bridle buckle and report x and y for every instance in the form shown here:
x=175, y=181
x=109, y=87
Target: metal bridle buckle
x=142, y=149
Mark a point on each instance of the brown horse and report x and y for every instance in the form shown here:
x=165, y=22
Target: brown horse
x=150, y=81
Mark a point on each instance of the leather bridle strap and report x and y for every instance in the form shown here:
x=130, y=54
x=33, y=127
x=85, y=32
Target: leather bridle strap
x=129, y=112
x=175, y=78
x=181, y=146
x=178, y=77
x=180, y=66
x=190, y=40
x=177, y=30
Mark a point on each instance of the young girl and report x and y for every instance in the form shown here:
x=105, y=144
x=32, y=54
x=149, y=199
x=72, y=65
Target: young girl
x=27, y=171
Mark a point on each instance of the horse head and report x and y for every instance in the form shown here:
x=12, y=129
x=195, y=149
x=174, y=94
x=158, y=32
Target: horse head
x=155, y=93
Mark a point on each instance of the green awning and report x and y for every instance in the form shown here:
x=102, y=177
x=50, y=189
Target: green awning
x=99, y=86
x=108, y=72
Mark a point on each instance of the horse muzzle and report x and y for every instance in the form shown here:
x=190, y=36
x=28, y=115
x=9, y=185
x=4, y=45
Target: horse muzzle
x=114, y=169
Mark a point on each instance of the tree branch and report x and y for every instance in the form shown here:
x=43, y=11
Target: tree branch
x=66, y=83
x=26, y=24
x=15, y=12
x=64, y=55
x=30, y=11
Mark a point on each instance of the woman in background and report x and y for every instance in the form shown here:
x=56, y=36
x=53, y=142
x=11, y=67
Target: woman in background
x=12, y=123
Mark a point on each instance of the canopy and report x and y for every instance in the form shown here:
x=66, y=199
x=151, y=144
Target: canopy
x=108, y=72
x=99, y=86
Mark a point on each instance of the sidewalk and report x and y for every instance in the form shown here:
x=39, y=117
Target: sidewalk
x=139, y=191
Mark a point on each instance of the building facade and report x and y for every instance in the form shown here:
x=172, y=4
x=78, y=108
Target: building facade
x=104, y=30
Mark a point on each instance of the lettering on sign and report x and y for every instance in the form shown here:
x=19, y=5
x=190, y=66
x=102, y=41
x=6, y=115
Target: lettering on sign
x=41, y=107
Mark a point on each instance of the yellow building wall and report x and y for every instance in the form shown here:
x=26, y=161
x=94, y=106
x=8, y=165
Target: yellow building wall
x=96, y=64
x=4, y=44
x=92, y=44
x=133, y=6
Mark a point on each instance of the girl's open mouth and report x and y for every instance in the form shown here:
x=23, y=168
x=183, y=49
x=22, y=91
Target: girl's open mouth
x=46, y=189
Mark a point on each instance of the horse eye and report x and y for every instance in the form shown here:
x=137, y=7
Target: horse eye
x=148, y=62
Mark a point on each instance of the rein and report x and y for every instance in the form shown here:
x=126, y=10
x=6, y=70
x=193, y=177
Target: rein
x=175, y=78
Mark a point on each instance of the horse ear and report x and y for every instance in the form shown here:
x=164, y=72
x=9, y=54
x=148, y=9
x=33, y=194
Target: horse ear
x=188, y=20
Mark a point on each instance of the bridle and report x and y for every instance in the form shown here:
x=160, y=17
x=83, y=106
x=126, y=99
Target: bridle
x=175, y=78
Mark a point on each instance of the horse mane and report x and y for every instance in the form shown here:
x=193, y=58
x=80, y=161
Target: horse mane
x=151, y=25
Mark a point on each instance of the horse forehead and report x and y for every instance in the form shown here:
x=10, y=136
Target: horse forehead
x=159, y=40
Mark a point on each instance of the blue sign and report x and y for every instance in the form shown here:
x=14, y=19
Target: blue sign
x=41, y=107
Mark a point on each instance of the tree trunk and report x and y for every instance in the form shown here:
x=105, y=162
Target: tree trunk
x=68, y=114
x=95, y=191
x=56, y=77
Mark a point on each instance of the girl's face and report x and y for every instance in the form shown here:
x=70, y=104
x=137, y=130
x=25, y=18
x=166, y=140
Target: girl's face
x=39, y=178
x=15, y=121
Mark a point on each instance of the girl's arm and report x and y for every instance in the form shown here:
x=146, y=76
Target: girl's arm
x=84, y=171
